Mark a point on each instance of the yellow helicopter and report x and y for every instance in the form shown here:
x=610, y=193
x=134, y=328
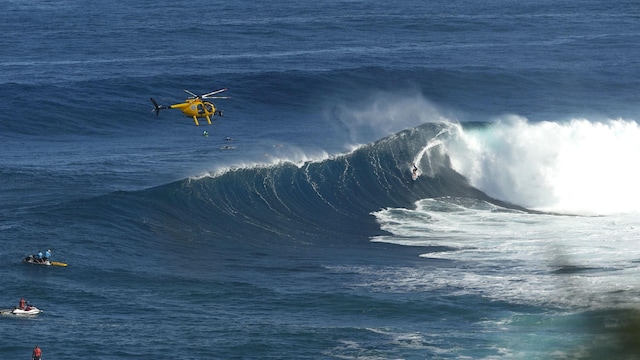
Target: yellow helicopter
x=195, y=106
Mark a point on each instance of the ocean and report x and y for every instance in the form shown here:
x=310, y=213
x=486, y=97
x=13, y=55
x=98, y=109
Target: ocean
x=295, y=230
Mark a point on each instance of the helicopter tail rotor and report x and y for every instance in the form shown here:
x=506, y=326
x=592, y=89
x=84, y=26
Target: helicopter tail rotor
x=157, y=107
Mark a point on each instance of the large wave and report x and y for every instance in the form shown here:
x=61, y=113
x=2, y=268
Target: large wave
x=574, y=167
x=330, y=199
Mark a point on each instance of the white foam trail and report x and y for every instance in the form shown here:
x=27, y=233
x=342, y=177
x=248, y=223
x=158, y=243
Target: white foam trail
x=431, y=144
x=574, y=167
x=506, y=255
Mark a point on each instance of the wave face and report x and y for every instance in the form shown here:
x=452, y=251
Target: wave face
x=329, y=199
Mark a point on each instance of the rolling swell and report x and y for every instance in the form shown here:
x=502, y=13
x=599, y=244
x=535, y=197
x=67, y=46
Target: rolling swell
x=329, y=200
x=98, y=104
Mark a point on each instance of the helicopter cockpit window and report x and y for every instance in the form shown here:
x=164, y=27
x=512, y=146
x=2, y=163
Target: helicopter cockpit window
x=200, y=109
x=208, y=107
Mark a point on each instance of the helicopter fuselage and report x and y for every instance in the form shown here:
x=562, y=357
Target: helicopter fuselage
x=196, y=108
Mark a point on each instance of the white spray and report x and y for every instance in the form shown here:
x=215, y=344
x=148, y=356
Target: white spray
x=577, y=166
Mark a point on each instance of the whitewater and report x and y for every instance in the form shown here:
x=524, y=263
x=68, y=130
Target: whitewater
x=578, y=166
x=578, y=250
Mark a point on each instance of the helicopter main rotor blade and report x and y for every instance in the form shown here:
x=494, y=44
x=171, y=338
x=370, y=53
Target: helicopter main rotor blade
x=208, y=95
x=190, y=93
x=216, y=97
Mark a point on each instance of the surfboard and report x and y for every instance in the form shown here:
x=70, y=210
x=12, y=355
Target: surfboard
x=56, y=263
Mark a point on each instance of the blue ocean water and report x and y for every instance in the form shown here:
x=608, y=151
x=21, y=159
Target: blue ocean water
x=308, y=238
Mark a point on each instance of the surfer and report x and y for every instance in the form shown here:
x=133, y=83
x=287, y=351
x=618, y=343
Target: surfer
x=415, y=170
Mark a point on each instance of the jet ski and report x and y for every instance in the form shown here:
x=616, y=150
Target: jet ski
x=32, y=259
x=28, y=310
